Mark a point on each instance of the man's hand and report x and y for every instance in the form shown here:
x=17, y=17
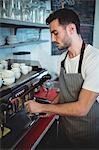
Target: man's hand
x=36, y=108
x=33, y=107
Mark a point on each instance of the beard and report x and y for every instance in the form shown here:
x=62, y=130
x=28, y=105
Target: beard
x=61, y=47
x=57, y=48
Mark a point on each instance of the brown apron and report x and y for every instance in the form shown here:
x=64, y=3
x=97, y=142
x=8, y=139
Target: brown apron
x=77, y=129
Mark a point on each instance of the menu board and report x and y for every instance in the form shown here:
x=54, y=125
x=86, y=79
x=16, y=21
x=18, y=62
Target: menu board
x=85, y=10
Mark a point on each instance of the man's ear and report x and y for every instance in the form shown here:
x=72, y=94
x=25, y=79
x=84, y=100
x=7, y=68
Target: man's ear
x=71, y=28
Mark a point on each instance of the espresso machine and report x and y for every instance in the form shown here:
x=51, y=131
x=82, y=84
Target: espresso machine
x=13, y=116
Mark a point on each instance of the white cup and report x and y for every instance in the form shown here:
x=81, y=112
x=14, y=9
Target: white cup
x=29, y=68
x=7, y=74
x=1, y=81
x=24, y=69
x=17, y=72
x=22, y=64
x=1, y=66
x=15, y=65
x=0, y=73
x=17, y=75
x=16, y=69
x=8, y=81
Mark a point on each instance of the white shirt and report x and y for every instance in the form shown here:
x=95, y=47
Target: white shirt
x=89, y=69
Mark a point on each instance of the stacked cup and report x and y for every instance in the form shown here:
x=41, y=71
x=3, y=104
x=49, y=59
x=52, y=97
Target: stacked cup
x=1, y=81
x=8, y=77
x=16, y=69
x=24, y=68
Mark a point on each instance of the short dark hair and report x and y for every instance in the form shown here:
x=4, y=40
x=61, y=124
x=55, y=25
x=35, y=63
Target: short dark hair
x=65, y=16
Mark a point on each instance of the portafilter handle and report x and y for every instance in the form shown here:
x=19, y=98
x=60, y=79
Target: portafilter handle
x=42, y=101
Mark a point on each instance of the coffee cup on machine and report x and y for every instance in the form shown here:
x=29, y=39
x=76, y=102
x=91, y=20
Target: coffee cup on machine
x=24, y=69
x=29, y=68
x=15, y=65
x=8, y=77
x=22, y=64
x=1, y=81
x=1, y=67
x=8, y=81
x=7, y=74
x=17, y=72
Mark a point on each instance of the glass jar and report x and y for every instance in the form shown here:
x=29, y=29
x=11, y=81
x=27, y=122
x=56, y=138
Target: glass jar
x=34, y=11
x=4, y=9
x=25, y=15
x=42, y=10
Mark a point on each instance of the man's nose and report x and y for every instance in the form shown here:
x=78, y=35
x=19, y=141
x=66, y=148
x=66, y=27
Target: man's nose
x=53, y=38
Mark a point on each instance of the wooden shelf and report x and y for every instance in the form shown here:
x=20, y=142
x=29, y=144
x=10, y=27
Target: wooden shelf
x=23, y=43
x=20, y=24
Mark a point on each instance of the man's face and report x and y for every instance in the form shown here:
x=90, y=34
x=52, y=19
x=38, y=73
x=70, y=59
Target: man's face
x=59, y=35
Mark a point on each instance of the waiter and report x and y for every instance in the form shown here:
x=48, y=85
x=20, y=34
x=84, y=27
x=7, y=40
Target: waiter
x=77, y=105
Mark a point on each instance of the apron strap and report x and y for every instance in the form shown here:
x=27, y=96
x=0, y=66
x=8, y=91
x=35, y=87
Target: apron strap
x=81, y=56
x=80, y=60
x=63, y=61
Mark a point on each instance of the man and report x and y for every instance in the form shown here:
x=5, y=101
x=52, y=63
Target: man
x=78, y=105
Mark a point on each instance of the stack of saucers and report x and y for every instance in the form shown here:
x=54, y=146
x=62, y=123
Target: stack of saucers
x=12, y=39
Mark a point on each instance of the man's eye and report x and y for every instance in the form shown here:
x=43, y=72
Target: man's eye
x=55, y=33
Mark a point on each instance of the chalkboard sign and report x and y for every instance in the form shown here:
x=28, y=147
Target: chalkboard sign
x=86, y=10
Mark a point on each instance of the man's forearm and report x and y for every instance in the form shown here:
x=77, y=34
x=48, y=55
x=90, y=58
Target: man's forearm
x=71, y=109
